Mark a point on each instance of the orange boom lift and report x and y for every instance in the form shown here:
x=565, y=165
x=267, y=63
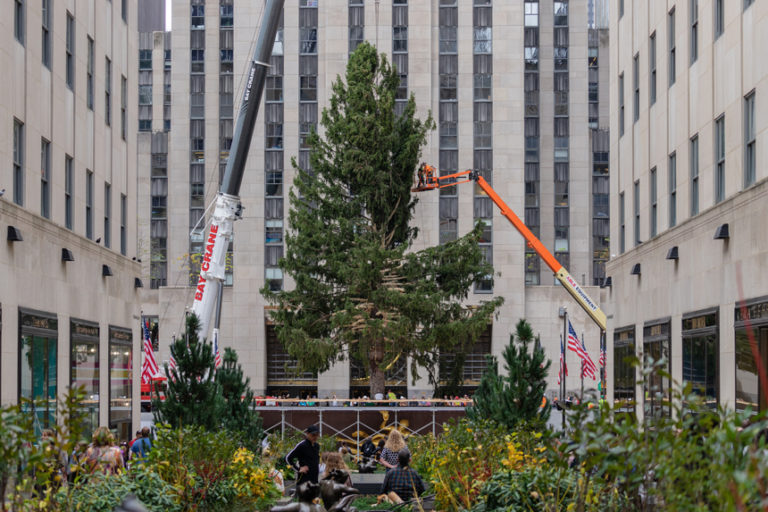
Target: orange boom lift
x=428, y=180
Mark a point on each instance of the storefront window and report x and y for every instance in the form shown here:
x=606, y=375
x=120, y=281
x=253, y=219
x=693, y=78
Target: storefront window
x=656, y=388
x=624, y=370
x=37, y=354
x=749, y=392
x=84, y=369
x=700, y=356
x=120, y=381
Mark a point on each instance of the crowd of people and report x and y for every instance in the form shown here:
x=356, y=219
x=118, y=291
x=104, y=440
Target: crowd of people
x=388, y=399
x=401, y=482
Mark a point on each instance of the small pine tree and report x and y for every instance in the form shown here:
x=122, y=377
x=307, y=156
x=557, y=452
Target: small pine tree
x=192, y=395
x=238, y=416
x=516, y=397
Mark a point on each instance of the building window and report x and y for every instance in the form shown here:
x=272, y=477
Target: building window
x=18, y=162
x=624, y=377
x=70, y=52
x=89, y=76
x=720, y=159
x=701, y=356
x=672, y=190
x=38, y=366
x=123, y=92
x=107, y=91
x=636, y=197
x=652, y=68
x=18, y=20
x=483, y=40
x=124, y=10
x=226, y=13
x=621, y=104
x=120, y=381
x=84, y=368
x=694, y=163
x=749, y=385
x=531, y=14
x=672, y=47
x=719, y=18
x=107, y=215
x=46, y=25
x=399, y=39
x=561, y=14
x=198, y=17
x=654, y=203
x=636, y=87
x=69, y=189
x=622, y=226
x=308, y=41
x=45, y=179
x=123, y=217
x=694, y=43
x=89, y=204
x=145, y=60
x=750, y=153
x=747, y=3
x=356, y=24
x=621, y=8
x=657, y=385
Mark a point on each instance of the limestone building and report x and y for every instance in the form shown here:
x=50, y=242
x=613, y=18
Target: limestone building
x=518, y=90
x=689, y=198
x=70, y=302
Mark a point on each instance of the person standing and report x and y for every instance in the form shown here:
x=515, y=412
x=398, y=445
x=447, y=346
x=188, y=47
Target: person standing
x=389, y=455
x=102, y=455
x=142, y=446
x=305, y=457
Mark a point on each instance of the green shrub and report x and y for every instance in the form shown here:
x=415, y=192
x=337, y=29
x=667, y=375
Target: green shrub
x=102, y=493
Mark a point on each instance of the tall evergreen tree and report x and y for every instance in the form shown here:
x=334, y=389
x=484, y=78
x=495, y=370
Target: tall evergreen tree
x=192, y=395
x=517, y=396
x=238, y=416
x=360, y=290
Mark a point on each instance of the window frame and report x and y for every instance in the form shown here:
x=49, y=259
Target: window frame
x=89, y=75
x=18, y=162
x=69, y=180
x=750, y=140
x=636, y=87
x=719, y=18
x=672, y=49
x=652, y=68
x=70, y=52
x=622, y=224
x=107, y=236
x=45, y=178
x=719, y=146
x=653, y=200
x=107, y=91
x=89, y=204
x=621, y=104
x=636, y=200
x=693, y=165
x=693, y=43
x=45, y=23
x=672, y=187
x=19, y=21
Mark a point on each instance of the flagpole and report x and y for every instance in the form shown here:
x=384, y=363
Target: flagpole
x=582, y=372
x=602, y=367
x=565, y=364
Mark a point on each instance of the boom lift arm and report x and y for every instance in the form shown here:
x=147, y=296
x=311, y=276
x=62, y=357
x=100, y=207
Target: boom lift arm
x=228, y=207
x=429, y=181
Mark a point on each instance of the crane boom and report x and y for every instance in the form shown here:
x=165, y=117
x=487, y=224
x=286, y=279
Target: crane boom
x=428, y=181
x=228, y=207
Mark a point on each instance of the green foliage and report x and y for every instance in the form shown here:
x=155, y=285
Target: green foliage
x=516, y=397
x=101, y=493
x=239, y=418
x=359, y=290
x=192, y=395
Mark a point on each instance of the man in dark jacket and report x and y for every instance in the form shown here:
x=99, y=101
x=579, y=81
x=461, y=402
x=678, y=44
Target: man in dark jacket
x=305, y=457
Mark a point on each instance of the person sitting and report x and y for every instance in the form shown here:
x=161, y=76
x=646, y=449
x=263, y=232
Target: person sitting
x=389, y=455
x=402, y=483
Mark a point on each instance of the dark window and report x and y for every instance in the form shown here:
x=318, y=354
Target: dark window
x=624, y=377
x=198, y=17
x=636, y=194
x=561, y=14
x=123, y=227
x=18, y=20
x=621, y=104
x=107, y=215
x=70, y=52
x=636, y=87
x=657, y=385
x=89, y=205
x=672, y=46
x=622, y=230
x=123, y=119
x=654, y=203
x=719, y=158
x=747, y=3
x=672, y=190
x=46, y=25
x=18, y=162
x=37, y=364
x=84, y=368
x=694, y=163
x=719, y=18
x=701, y=357
x=694, y=42
x=227, y=15
x=750, y=132
x=145, y=59
x=89, y=76
x=107, y=91
x=69, y=189
x=652, y=68
x=45, y=179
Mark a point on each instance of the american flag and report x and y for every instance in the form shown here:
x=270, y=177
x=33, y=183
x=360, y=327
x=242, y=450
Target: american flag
x=149, y=366
x=590, y=370
x=171, y=367
x=601, y=361
x=563, y=365
x=217, y=361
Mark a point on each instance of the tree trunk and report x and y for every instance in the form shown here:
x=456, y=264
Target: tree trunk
x=378, y=378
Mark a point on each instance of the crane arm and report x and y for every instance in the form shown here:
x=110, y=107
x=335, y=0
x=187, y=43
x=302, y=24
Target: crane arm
x=569, y=283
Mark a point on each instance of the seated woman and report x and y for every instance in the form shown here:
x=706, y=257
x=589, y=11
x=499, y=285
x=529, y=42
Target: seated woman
x=389, y=455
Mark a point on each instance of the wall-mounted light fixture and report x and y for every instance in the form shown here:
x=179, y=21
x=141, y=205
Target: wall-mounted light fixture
x=14, y=234
x=66, y=255
x=672, y=254
x=607, y=282
x=721, y=233
x=137, y=283
x=635, y=269
x=106, y=271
